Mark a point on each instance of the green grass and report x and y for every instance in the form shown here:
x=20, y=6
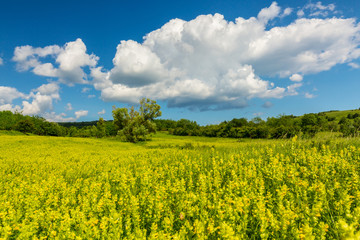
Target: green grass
x=340, y=114
x=10, y=133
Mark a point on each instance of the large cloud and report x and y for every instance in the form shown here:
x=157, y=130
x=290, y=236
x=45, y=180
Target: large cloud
x=38, y=102
x=207, y=63
x=8, y=94
x=69, y=61
x=41, y=99
x=210, y=63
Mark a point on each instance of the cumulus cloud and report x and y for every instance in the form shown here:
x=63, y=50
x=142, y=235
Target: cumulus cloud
x=67, y=66
x=269, y=13
x=209, y=63
x=8, y=94
x=39, y=104
x=81, y=113
x=296, y=77
x=38, y=101
x=10, y=107
x=42, y=99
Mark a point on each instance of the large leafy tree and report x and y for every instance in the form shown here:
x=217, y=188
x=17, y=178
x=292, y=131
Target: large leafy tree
x=134, y=126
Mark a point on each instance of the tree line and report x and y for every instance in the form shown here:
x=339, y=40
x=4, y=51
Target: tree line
x=129, y=124
x=284, y=126
x=133, y=125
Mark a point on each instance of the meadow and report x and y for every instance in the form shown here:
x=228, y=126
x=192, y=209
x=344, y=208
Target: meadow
x=179, y=188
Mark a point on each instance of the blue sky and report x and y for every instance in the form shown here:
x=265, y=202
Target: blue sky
x=207, y=61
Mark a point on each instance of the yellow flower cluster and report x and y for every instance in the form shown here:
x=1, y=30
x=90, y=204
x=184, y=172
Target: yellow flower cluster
x=69, y=188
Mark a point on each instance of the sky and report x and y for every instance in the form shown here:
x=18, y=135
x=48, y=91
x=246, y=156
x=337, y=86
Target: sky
x=203, y=60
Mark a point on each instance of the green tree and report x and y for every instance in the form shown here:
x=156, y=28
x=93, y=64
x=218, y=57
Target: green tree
x=134, y=126
x=101, y=131
x=25, y=126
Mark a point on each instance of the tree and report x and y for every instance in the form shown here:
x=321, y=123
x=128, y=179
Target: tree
x=25, y=126
x=100, y=126
x=134, y=126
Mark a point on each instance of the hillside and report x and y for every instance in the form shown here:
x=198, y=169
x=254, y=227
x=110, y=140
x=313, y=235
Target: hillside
x=340, y=114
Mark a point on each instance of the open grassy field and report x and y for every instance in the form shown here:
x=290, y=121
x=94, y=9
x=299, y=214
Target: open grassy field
x=340, y=114
x=179, y=188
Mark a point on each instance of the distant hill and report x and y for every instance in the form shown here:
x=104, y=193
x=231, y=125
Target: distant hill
x=340, y=114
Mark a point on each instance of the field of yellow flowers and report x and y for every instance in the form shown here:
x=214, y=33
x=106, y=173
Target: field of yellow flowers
x=179, y=188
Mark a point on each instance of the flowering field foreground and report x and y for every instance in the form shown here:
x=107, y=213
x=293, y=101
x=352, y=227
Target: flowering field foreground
x=178, y=188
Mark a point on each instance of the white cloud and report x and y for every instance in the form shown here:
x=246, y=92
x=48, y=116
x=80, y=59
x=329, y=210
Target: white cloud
x=81, y=113
x=85, y=90
x=91, y=96
x=68, y=63
x=10, y=107
x=51, y=89
x=296, y=77
x=69, y=107
x=53, y=117
x=46, y=69
x=71, y=61
x=1, y=61
x=8, y=94
x=317, y=10
x=42, y=99
x=37, y=102
x=26, y=57
x=210, y=63
x=136, y=65
x=354, y=65
x=309, y=95
x=207, y=63
x=300, y=13
x=102, y=112
x=287, y=12
x=292, y=89
x=269, y=13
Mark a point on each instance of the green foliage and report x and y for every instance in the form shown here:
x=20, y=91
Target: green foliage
x=134, y=126
x=27, y=124
x=100, y=128
x=283, y=126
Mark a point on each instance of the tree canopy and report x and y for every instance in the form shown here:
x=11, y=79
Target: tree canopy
x=134, y=126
